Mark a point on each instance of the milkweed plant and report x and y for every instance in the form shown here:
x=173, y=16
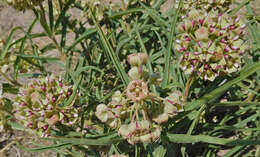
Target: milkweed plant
x=123, y=78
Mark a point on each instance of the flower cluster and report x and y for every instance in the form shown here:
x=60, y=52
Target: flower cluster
x=40, y=105
x=140, y=131
x=24, y=4
x=206, y=5
x=99, y=7
x=211, y=43
x=137, y=113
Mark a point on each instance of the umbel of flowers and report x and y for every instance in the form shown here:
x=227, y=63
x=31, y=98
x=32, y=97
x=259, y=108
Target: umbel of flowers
x=211, y=43
x=24, y=4
x=137, y=113
x=99, y=7
x=206, y=5
x=40, y=105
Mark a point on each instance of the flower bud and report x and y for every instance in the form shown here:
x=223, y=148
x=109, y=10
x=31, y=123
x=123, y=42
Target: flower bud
x=102, y=112
x=161, y=118
x=124, y=131
x=134, y=73
x=116, y=96
x=53, y=120
x=137, y=59
x=193, y=14
x=134, y=60
x=202, y=34
x=188, y=24
x=143, y=57
x=180, y=28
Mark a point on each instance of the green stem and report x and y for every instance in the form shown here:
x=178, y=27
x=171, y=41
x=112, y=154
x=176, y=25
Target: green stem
x=187, y=87
x=137, y=151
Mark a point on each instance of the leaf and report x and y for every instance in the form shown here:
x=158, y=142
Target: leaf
x=16, y=126
x=110, y=52
x=44, y=24
x=160, y=151
x=37, y=57
x=155, y=16
x=7, y=88
x=51, y=19
x=236, y=103
x=88, y=141
x=183, y=138
x=126, y=12
x=44, y=148
x=86, y=34
x=169, y=48
x=63, y=13
x=241, y=5
x=7, y=45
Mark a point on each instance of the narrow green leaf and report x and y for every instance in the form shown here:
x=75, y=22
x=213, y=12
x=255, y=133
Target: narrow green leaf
x=85, y=68
x=155, y=16
x=44, y=148
x=63, y=13
x=51, y=19
x=37, y=57
x=236, y=103
x=122, y=43
x=86, y=34
x=110, y=52
x=44, y=23
x=21, y=49
x=244, y=122
x=254, y=35
x=7, y=45
x=126, y=12
x=95, y=142
x=241, y=5
x=183, y=138
x=169, y=48
x=8, y=88
x=160, y=151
